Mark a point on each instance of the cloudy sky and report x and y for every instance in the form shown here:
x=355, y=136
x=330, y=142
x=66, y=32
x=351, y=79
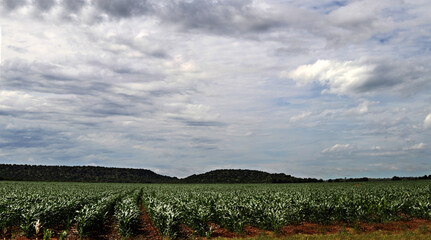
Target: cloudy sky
x=309, y=88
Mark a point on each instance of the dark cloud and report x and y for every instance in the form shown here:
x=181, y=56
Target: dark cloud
x=204, y=123
x=41, y=77
x=290, y=51
x=17, y=49
x=220, y=17
x=383, y=76
x=31, y=138
x=44, y=5
x=73, y=5
x=217, y=17
x=199, y=123
x=405, y=77
x=123, y=8
x=205, y=140
x=160, y=54
x=105, y=108
x=12, y=4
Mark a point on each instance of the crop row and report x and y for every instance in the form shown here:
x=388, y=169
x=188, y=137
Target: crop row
x=37, y=207
x=273, y=206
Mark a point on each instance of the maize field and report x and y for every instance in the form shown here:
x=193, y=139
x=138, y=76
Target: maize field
x=33, y=209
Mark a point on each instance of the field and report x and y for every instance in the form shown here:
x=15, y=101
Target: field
x=262, y=211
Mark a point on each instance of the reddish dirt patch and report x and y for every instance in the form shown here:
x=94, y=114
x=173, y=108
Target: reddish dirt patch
x=218, y=231
x=310, y=228
x=394, y=226
x=146, y=229
x=251, y=231
x=108, y=232
x=73, y=233
x=184, y=232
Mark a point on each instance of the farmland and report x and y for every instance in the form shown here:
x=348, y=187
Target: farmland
x=89, y=210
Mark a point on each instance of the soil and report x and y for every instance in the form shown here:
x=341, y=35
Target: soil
x=251, y=231
x=218, y=231
x=395, y=226
x=147, y=230
x=312, y=228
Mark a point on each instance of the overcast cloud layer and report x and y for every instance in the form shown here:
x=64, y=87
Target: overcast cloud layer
x=309, y=88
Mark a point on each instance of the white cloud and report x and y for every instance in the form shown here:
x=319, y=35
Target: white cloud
x=427, y=121
x=361, y=20
x=376, y=148
x=363, y=77
x=337, y=148
x=362, y=108
x=340, y=77
x=300, y=117
x=416, y=146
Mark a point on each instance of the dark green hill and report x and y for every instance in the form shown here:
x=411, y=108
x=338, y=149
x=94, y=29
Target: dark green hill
x=80, y=174
x=14, y=172
x=244, y=176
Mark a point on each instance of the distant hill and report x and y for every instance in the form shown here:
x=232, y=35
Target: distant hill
x=244, y=176
x=80, y=174
x=14, y=172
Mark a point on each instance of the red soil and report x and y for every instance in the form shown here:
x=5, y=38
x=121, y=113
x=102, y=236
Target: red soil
x=251, y=231
x=218, y=231
x=312, y=228
x=146, y=229
x=185, y=232
x=395, y=226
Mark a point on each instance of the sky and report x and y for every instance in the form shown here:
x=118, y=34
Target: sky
x=309, y=88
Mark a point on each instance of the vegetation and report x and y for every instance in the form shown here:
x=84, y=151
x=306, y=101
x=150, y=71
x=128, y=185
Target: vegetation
x=128, y=175
x=274, y=206
x=127, y=213
x=245, y=176
x=79, y=174
x=37, y=207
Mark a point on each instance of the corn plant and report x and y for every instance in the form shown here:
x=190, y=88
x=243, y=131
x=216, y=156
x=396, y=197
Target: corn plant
x=127, y=213
x=93, y=216
x=165, y=216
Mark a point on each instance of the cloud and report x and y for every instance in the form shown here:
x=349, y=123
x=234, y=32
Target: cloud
x=243, y=18
x=52, y=78
x=416, y=146
x=197, y=115
x=73, y=5
x=123, y=8
x=363, y=107
x=337, y=148
x=32, y=138
x=12, y=4
x=363, y=77
x=222, y=17
x=44, y=5
x=300, y=117
x=427, y=121
x=359, y=20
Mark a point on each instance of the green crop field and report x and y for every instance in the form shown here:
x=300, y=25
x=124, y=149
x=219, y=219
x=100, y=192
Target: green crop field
x=39, y=209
